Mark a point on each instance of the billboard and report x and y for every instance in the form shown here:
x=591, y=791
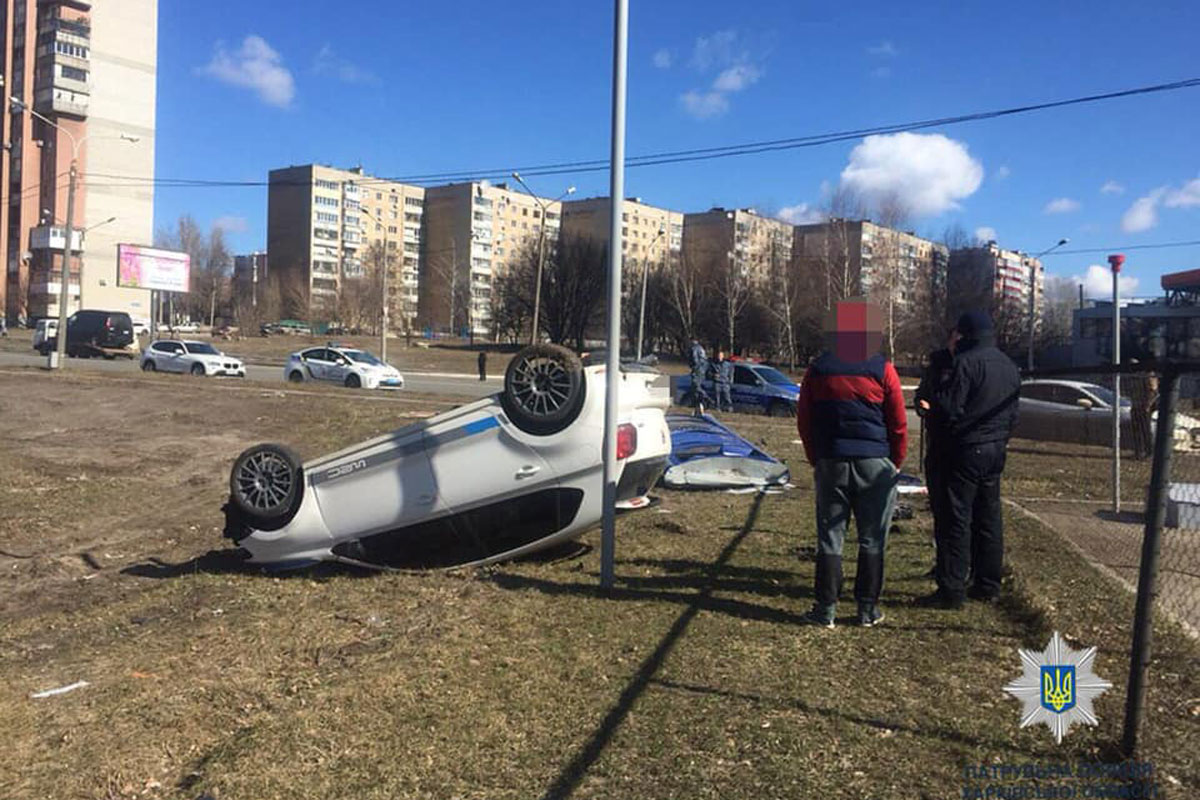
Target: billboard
x=141, y=267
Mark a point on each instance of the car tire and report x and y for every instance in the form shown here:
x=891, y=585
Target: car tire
x=266, y=485
x=544, y=389
x=198, y=370
x=353, y=381
x=778, y=409
x=295, y=376
x=148, y=365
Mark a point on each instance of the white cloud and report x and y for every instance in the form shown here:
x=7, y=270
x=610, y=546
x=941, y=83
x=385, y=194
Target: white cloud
x=928, y=172
x=1061, y=205
x=663, y=58
x=1112, y=187
x=884, y=48
x=254, y=65
x=1002, y=173
x=231, y=224
x=738, y=68
x=736, y=78
x=1098, y=282
x=984, y=234
x=1187, y=196
x=703, y=105
x=801, y=214
x=1143, y=214
x=329, y=63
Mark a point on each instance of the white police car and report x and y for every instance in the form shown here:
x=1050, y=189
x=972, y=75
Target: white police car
x=348, y=366
x=497, y=478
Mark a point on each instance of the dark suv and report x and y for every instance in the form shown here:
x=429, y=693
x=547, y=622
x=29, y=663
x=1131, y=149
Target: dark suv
x=97, y=333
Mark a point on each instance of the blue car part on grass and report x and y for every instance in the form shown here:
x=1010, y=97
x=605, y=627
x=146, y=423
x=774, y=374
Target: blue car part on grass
x=756, y=389
x=707, y=455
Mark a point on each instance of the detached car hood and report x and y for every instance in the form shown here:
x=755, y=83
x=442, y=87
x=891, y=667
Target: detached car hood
x=707, y=455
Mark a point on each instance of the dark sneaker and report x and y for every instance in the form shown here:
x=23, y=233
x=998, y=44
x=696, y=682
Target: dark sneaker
x=819, y=617
x=982, y=595
x=870, y=617
x=939, y=600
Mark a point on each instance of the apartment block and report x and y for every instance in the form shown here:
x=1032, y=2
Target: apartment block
x=84, y=81
x=250, y=275
x=999, y=280
x=862, y=254
x=474, y=233
x=648, y=233
x=321, y=223
x=719, y=240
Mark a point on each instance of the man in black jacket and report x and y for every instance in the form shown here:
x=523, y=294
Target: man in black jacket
x=977, y=408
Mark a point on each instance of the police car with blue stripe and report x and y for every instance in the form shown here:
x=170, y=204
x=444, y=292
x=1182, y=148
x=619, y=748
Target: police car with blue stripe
x=501, y=477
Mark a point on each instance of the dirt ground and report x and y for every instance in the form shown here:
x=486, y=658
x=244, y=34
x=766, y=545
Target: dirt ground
x=694, y=677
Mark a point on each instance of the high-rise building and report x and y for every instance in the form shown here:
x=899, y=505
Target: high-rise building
x=250, y=275
x=321, y=224
x=719, y=240
x=648, y=233
x=997, y=280
x=859, y=257
x=474, y=233
x=84, y=82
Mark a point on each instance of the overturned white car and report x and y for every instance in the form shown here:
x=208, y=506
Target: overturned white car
x=498, y=478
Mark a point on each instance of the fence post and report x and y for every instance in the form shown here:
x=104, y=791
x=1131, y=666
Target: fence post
x=1156, y=507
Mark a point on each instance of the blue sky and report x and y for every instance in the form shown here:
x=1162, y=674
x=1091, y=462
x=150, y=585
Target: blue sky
x=418, y=87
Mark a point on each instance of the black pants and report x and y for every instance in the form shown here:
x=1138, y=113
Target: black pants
x=970, y=538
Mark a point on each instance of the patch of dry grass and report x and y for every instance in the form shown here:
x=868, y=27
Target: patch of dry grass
x=692, y=678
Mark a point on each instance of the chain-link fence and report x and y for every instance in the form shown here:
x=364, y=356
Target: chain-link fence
x=1132, y=510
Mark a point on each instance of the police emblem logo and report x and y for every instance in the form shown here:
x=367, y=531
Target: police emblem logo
x=1057, y=687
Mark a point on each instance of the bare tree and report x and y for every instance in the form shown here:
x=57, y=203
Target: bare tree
x=843, y=279
x=686, y=297
x=890, y=274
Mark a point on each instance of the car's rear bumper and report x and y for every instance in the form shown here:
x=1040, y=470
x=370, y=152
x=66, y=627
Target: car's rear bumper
x=639, y=476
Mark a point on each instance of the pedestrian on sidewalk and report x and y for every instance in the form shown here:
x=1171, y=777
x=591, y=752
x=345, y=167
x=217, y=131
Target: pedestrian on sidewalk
x=482, y=360
x=723, y=380
x=851, y=418
x=978, y=405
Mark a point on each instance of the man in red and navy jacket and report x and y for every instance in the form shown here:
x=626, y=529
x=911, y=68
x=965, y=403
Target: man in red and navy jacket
x=852, y=420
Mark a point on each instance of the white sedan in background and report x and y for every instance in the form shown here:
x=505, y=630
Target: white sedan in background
x=348, y=366
x=195, y=358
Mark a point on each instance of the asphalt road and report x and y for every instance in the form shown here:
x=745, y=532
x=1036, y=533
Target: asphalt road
x=465, y=386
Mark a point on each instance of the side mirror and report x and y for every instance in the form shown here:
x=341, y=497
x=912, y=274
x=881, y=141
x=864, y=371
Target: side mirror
x=1083, y=402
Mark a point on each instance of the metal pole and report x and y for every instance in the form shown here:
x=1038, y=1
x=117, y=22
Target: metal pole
x=1032, y=312
x=617, y=196
x=1160, y=476
x=64, y=294
x=383, y=332
x=1115, y=261
x=537, y=292
x=642, y=312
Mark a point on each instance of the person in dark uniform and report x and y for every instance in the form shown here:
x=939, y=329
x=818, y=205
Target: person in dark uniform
x=978, y=405
x=723, y=380
x=698, y=362
x=482, y=360
x=937, y=373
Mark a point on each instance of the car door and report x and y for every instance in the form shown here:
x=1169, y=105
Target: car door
x=1073, y=422
x=338, y=367
x=178, y=360
x=317, y=362
x=745, y=392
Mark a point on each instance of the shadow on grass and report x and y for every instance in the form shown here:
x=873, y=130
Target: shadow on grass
x=232, y=561
x=569, y=778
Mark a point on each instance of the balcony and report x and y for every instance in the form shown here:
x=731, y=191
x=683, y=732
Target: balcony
x=61, y=101
x=52, y=237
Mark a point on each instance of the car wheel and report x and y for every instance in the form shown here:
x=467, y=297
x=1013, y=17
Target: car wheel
x=148, y=366
x=778, y=409
x=266, y=484
x=198, y=370
x=353, y=381
x=296, y=376
x=543, y=389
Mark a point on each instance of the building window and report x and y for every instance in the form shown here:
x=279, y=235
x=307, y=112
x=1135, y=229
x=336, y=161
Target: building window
x=414, y=201
x=74, y=73
x=70, y=49
x=323, y=184
x=328, y=202
x=391, y=229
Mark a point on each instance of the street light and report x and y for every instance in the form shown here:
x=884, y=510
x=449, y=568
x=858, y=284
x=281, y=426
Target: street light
x=645, y=269
x=1033, y=294
x=55, y=358
x=384, y=288
x=537, y=292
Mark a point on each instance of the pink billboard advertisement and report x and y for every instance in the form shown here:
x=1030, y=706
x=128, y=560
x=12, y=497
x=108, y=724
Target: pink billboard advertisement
x=150, y=268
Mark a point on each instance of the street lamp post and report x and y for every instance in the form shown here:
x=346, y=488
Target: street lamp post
x=537, y=292
x=1033, y=294
x=383, y=287
x=645, y=269
x=58, y=355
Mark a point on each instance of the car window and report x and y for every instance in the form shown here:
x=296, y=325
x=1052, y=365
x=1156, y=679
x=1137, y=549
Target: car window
x=315, y=354
x=1069, y=395
x=363, y=357
x=774, y=376
x=201, y=348
x=744, y=376
x=1038, y=391
x=176, y=347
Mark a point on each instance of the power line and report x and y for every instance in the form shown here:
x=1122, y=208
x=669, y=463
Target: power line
x=1153, y=246
x=681, y=156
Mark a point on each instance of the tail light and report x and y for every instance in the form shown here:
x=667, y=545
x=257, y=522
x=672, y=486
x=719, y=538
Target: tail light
x=626, y=440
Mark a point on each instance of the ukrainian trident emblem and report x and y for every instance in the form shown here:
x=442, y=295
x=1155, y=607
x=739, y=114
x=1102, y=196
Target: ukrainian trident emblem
x=1057, y=687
